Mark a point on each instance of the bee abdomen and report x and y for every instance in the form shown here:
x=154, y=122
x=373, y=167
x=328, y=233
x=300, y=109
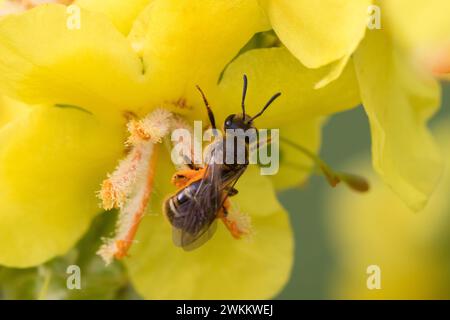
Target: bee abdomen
x=177, y=212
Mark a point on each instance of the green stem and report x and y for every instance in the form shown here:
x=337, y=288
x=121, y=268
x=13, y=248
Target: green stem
x=44, y=289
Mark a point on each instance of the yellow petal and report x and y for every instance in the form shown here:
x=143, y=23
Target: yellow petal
x=44, y=61
x=189, y=42
x=276, y=70
x=10, y=110
x=295, y=167
x=399, y=102
x=321, y=31
x=52, y=161
x=419, y=22
x=223, y=268
x=336, y=69
x=122, y=13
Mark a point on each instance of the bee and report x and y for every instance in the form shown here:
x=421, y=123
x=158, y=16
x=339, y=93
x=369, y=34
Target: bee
x=203, y=192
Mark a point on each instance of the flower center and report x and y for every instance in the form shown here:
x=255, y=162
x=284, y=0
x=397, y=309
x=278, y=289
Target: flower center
x=129, y=187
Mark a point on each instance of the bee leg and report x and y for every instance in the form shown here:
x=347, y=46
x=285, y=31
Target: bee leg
x=181, y=178
x=231, y=191
x=233, y=226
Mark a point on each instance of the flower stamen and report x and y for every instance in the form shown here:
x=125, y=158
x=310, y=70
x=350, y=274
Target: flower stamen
x=117, y=187
x=152, y=128
x=130, y=186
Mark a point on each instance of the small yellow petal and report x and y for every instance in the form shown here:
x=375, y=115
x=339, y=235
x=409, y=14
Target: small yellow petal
x=276, y=70
x=52, y=161
x=399, y=102
x=318, y=32
x=335, y=72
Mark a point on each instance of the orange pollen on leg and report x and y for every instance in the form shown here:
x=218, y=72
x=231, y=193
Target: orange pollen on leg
x=234, y=230
x=237, y=223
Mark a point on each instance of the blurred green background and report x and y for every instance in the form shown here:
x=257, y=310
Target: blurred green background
x=345, y=136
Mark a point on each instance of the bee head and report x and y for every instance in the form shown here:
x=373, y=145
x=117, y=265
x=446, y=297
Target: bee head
x=238, y=121
x=244, y=121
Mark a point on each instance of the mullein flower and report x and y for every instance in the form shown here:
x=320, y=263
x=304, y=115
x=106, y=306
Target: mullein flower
x=339, y=32
x=394, y=67
x=412, y=251
x=82, y=89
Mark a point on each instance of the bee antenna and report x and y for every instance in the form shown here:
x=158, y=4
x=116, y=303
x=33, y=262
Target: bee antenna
x=208, y=107
x=275, y=96
x=244, y=94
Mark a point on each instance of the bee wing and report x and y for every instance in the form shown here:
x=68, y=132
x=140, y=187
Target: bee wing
x=189, y=241
x=198, y=216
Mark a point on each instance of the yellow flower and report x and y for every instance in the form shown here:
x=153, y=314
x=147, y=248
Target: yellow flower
x=412, y=251
x=398, y=96
x=79, y=84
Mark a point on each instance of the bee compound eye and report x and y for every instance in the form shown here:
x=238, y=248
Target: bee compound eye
x=181, y=197
x=229, y=121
